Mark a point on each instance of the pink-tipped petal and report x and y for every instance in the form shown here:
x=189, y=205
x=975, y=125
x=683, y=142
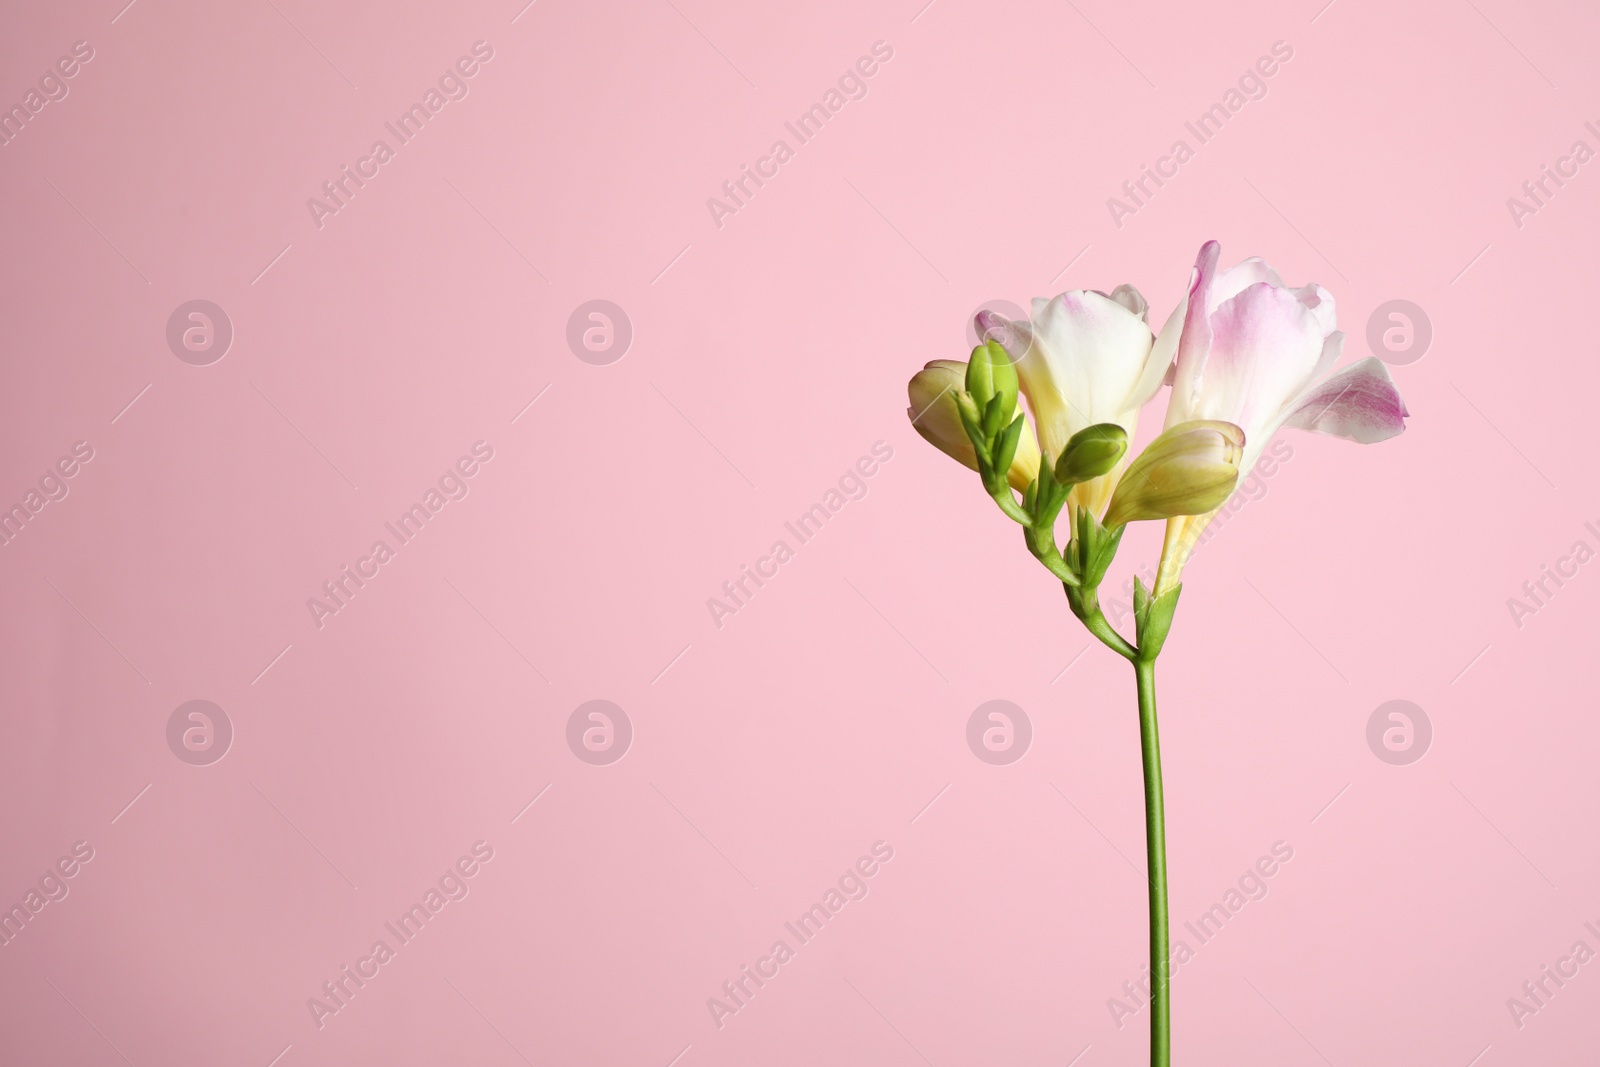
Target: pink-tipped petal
x=1194, y=333
x=1359, y=403
x=1014, y=335
x=1240, y=276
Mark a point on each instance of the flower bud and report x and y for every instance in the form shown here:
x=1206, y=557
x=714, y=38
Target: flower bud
x=1189, y=470
x=934, y=413
x=1091, y=452
x=990, y=373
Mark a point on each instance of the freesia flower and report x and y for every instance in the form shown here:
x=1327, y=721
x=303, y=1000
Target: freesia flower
x=1084, y=358
x=934, y=413
x=1245, y=355
x=1253, y=352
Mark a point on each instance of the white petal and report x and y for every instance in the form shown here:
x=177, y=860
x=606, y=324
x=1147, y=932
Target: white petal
x=1332, y=350
x=1130, y=297
x=1089, y=352
x=1160, y=368
x=1320, y=301
x=1239, y=277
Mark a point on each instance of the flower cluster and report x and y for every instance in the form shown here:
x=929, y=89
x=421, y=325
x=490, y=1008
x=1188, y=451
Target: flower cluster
x=1244, y=355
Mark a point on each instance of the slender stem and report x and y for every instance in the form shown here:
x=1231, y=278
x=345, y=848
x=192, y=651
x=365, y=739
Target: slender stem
x=1097, y=625
x=1042, y=543
x=1155, y=826
x=1085, y=603
x=1008, y=503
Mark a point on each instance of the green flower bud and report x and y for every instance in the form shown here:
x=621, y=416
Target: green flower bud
x=937, y=402
x=990, y=373
x=1092, y=452
x=1190, y=469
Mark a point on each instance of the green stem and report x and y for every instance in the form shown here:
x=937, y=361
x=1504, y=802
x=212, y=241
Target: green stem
x=1085, y=604
x=1155, y=825
x=1042, y=543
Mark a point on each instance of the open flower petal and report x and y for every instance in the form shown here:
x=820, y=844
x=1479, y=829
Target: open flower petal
x=1239, y=277
x=1089, y=353
x=1359, y=403
x=1265, y=345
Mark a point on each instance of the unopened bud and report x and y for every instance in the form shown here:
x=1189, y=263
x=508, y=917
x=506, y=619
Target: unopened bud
x=990, y=373
x=1190, y=469
x=1091, y=452
x=936, y=394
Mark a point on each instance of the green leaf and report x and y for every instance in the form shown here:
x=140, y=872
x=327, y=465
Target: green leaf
x=1006, y=451
x=1155, y=623
x=980, y=376
x=995, y=416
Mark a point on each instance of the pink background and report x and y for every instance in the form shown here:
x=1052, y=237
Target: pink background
x=768, y=355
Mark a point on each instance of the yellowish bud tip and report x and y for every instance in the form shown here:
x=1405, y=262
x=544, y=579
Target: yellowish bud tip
x=1188, y=470
x=938, y=394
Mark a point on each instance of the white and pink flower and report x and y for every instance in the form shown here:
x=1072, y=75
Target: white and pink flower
x=1084, y=358
x=1256, y=353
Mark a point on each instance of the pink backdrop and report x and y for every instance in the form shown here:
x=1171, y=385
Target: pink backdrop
x=413, y=735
